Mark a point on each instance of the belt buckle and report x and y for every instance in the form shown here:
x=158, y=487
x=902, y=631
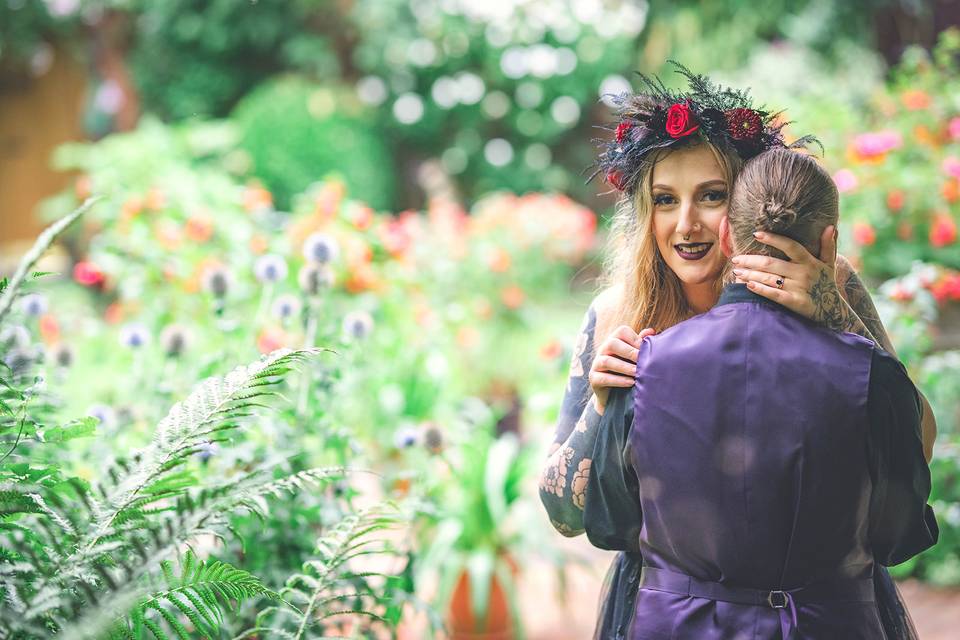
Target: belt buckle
x=780, y=603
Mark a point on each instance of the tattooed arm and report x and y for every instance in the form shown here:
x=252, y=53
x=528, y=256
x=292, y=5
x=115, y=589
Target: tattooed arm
x=861, y=305
x=563, y=480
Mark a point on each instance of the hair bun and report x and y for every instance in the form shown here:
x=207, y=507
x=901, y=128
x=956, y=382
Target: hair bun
x=776, y=215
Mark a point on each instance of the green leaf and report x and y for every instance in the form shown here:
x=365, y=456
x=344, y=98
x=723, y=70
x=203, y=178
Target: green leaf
x=80, y=428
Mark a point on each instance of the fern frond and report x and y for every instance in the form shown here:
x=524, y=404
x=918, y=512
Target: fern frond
x=43, y=242
x=209, y=409
x=325, y=584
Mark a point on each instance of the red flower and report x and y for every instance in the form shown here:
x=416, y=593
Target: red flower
x=943, y=231
x=681, y=121
x=864, y=234
x=617, y=180
x=743, y=124
x=622, y=129
x=88, y=274
x=895, y=200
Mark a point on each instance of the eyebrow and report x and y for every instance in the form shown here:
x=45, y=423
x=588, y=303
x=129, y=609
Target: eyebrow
x=702, y=185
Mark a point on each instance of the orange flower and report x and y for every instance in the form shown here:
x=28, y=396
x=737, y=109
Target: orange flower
x=131, y=208
x=361, y=277
x=951, y=190
x=498, y=260
x=943, y=231
x=156, y=199
x=895, y=200
x=256, y=198
x=199, y=227
x=915, y=99
x=49, y=329
x=113, y=313
x=864, y=234
x=328, y=199
x=923, y=135
x=271, y=338
x=512, y=296
x=259, y=244
x=551, y=350
x=468, y=337
x=83, y=187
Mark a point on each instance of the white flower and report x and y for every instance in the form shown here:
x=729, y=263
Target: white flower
x=357, y=325
x=320, y=248
x=34, y=304
x=270, y=268
x=134, y=335
x=286, y=306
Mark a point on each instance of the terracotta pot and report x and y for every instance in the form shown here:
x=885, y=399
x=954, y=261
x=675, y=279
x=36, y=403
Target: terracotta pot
x=498, y=624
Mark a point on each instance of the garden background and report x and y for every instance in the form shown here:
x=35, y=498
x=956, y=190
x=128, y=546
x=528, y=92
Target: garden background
x=293, y=361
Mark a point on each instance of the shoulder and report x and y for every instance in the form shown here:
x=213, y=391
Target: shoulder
x=604, y=308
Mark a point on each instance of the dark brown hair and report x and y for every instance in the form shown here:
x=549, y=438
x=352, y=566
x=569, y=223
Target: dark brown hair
x=785, y=192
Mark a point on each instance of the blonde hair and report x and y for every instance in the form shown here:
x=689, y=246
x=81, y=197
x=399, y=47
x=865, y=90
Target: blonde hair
x=649, y=292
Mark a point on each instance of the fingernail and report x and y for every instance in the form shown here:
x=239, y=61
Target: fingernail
x=738, y=272
x=758, y=234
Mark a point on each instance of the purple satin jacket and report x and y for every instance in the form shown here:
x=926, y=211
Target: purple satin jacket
x=758, y=505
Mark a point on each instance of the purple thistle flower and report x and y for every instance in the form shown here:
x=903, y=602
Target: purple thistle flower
x=34, y=304
x=357, y=325
x=405, y=437
x=134, y=335
x=16, y=337
x=320, y=248
x=270, y=268
x=286, y=306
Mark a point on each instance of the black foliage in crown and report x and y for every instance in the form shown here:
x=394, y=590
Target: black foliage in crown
x=658, y=118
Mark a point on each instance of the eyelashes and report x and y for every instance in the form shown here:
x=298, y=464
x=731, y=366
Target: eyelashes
x=713, y=195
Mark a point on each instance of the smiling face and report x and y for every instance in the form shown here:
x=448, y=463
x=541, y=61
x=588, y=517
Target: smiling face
x=690, y=196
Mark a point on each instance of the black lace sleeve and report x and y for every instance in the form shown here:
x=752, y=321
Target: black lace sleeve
x=612, y=515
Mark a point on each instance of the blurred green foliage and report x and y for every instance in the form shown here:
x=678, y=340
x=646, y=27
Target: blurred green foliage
x=296, y=132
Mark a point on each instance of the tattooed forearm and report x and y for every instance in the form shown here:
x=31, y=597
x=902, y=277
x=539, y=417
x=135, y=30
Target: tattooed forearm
x=563, y=479
x=862, y=305
x=563, y=482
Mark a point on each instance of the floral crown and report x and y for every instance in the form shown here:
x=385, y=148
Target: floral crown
x=659, y=118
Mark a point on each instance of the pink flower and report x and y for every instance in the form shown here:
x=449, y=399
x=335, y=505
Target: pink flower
x=869, y=145
x=845, y=180
x=951, y=166
x=953, y=128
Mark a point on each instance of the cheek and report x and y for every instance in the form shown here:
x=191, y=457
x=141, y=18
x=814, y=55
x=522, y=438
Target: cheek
x=711, y=219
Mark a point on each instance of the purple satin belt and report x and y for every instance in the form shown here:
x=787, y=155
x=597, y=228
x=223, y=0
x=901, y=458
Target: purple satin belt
x=785, y=602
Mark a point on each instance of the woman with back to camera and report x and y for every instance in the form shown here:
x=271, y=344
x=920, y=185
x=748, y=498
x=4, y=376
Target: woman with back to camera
x=674, y=157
